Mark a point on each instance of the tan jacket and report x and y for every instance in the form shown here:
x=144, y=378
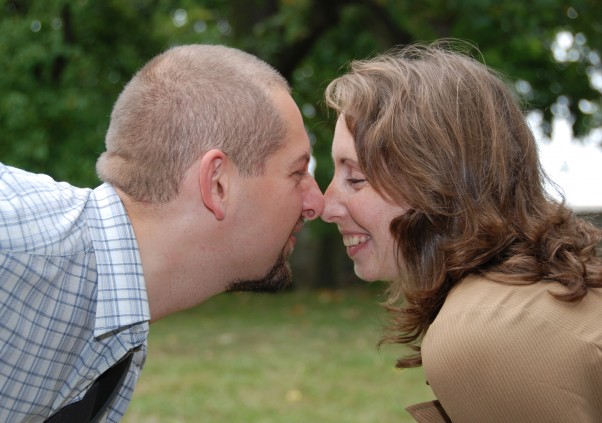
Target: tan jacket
x=504, y=353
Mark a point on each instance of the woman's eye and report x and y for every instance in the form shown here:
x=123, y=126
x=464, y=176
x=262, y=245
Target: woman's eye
x=354, y=181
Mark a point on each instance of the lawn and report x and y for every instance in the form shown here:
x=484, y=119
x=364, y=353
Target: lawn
x=297, y=357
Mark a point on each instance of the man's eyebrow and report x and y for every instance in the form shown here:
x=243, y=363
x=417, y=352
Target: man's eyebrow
x=302, y=159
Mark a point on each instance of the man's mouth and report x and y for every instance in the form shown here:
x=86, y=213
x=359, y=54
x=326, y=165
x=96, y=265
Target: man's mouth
x=292, y=240
x=299, y=225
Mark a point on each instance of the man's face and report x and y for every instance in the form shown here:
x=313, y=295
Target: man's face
x=276, y=204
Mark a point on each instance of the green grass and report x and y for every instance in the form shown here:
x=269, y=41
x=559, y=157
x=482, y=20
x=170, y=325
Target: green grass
x=299, y=357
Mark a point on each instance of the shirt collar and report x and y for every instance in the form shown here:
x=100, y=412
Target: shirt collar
x=122, y=299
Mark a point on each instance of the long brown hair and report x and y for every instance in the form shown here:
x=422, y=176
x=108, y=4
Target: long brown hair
x=439, y=131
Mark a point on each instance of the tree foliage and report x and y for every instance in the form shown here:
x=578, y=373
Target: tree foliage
x=64, y=62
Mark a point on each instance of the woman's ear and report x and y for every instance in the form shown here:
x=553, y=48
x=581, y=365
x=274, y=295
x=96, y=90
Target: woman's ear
x=213, y=180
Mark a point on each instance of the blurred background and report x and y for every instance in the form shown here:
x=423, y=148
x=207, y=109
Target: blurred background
x=63, y=63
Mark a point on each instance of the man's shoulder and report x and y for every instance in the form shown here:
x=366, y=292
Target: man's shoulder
x=36, y=193
x=39, y=214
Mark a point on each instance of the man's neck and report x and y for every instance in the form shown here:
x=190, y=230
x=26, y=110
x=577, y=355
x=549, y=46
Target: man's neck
x=179, y=271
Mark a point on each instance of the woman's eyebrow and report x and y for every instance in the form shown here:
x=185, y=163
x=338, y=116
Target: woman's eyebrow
x=346, y=161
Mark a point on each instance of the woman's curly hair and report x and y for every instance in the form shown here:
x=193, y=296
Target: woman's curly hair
x=439, y=131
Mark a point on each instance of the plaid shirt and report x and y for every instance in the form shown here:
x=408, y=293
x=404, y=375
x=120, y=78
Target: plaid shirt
x=72, y=295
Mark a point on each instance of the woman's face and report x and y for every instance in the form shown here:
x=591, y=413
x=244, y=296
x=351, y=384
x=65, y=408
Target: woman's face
x=361, y=213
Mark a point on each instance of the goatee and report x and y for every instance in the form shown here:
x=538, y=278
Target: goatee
x=277, y=278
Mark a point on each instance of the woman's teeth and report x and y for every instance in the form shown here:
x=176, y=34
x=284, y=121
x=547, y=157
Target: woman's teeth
x=352, y=240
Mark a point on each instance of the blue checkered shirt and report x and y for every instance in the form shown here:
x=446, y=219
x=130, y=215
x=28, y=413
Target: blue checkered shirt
x=72, y=295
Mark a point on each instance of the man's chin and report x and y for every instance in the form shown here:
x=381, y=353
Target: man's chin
x=277, y=279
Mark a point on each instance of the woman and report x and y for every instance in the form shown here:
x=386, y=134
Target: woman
x=495, y=286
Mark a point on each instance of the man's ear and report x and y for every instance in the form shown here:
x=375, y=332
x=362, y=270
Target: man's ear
x=213, y=181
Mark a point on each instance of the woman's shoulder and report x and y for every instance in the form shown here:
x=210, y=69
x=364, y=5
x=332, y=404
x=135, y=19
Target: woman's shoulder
x=487, y=304
x=504, y=343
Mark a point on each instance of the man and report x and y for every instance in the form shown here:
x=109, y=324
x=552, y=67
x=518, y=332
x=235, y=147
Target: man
x=205, y=183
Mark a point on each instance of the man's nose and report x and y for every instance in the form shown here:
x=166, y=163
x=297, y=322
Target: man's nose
x=313, y=201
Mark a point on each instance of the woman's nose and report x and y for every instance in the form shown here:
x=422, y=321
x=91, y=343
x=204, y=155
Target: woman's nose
x=332, y=206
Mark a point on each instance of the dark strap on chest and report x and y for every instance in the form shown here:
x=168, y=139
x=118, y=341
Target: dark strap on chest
x=97, y=399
